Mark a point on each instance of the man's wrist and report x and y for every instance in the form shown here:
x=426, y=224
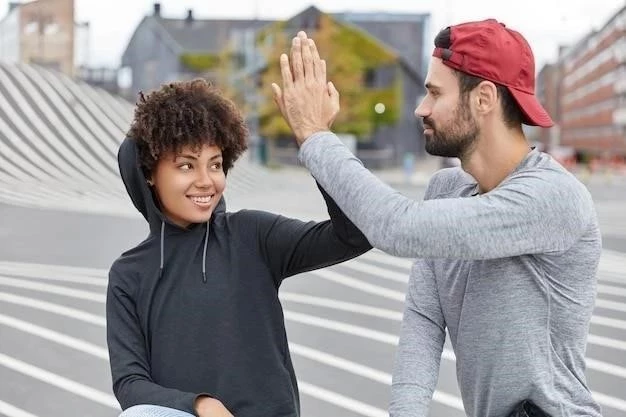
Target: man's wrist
x=310, y=146
x=302, y=136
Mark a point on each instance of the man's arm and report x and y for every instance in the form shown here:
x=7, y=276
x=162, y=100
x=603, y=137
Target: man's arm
x=525, y=215
x=416, y=368
x=535, y=214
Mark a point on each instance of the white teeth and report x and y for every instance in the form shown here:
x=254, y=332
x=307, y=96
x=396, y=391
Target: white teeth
x=201, y=200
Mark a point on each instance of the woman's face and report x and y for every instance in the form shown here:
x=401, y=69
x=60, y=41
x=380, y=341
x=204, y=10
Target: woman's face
x=189, y=184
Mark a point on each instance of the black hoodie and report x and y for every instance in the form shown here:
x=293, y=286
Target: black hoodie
x=196, y=311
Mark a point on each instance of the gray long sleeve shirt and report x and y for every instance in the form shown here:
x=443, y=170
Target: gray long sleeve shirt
x=511, y=273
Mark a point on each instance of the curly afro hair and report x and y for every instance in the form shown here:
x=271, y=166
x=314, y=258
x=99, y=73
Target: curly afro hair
x=187, y=113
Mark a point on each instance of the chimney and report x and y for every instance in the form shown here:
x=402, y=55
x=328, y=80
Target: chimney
x=189, y=18
x=157, y=9
x=13, y=5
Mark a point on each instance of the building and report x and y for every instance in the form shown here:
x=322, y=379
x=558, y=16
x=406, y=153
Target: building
x=164, y=49
x=157, y=49
x=406, y=35
x=548, y=92
x=379, y=85
x=593, y=91
x=39, y=32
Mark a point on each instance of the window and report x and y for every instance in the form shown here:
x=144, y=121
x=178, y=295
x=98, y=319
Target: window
x=51, y=29
x=369, y=78
x=31, y=27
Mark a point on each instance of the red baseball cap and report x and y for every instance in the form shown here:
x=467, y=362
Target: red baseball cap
x=489, y=50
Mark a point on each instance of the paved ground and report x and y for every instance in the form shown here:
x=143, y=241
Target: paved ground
x=342, y=322
x=65, y=218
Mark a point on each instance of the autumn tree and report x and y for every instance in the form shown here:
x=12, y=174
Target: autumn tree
x=352, y=56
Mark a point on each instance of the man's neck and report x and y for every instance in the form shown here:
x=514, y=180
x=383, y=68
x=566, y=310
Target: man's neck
x=495, y=156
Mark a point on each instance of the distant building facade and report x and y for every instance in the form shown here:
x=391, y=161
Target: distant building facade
x=548, y=92
x=589, y=80
x=39, y=32
x=157, y=50
x=154, y=52
x=405, y=34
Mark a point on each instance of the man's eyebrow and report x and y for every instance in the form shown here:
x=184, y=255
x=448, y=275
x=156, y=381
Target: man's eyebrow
x=431, y=86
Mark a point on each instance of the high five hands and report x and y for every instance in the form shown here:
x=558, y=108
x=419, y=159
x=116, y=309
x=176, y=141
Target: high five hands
x=307, y=101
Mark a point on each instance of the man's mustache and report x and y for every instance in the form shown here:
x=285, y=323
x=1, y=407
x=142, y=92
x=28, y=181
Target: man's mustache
x=428, y=123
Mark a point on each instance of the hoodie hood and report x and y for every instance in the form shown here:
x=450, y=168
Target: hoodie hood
x=143, y=199
x=139, y=191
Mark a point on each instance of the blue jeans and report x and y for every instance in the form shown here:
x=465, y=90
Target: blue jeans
x=145, y=410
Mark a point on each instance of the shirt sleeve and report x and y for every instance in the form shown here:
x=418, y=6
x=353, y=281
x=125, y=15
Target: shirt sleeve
x=532, y=212
x=128, y=356
x=292, y=246
x=418, y=356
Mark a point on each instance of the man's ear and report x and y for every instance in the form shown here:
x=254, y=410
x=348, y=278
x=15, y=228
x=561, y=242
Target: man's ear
x=486, y=97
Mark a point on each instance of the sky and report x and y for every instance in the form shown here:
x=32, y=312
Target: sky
x=546, y=24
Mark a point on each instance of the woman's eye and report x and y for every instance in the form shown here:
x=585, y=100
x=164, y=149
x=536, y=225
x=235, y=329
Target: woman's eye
x=185, y=167
x=217, y=166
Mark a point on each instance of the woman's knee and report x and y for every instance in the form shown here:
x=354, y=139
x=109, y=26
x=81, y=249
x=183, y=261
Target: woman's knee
x=145, y=410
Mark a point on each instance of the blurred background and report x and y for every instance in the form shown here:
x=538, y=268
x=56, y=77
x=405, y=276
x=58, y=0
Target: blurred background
x=70, y=71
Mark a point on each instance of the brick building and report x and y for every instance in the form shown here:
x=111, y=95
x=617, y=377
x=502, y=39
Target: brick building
x=39, y=32
x=592, y=105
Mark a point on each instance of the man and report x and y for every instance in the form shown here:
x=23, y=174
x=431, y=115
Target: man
x=508, y=243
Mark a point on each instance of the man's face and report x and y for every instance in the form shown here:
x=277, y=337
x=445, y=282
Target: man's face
x=450, y=129
x=189, y=184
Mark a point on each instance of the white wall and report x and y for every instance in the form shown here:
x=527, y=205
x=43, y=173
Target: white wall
x=10, y=37
x=81, y=44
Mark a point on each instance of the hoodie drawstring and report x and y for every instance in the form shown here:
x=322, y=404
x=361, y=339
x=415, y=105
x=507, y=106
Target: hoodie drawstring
x=162, y=248
x=206, y=242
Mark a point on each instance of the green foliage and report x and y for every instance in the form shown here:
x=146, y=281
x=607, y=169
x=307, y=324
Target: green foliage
x=200, y=62
x=273, y=28
x=349, y=53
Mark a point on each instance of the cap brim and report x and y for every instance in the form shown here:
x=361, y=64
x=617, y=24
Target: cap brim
x=534, y=113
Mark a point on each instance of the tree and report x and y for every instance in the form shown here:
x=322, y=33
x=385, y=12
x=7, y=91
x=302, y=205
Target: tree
x=351, y=56
x=218, y=68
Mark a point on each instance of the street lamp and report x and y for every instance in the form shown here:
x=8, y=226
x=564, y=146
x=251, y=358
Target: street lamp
x=379, y=108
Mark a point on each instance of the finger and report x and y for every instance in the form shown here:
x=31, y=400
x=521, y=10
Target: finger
x=334, y=102
x=307, y=57
x=320, y=74
x=323, y=70
x=278, y=94
x=278, y=97
x=334, y=94
x=304, y=39
x=285, y=71
x=296, y=60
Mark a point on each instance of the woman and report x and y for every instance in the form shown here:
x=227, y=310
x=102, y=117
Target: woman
x=194, y=322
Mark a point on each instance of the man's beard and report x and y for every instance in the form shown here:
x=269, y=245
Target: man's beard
x=455, y=140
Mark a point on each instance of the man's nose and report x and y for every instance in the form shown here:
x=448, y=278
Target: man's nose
x=422, y=110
